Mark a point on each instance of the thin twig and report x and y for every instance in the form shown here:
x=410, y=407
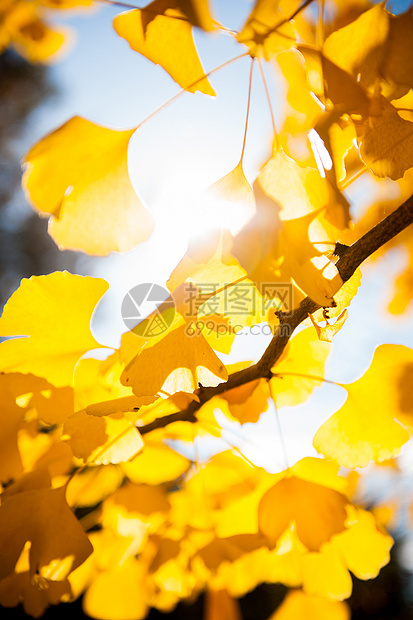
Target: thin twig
x=248, y=112
x=184, y=90
x=350, y=259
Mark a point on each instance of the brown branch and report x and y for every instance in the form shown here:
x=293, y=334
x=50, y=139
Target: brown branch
x=350, y=258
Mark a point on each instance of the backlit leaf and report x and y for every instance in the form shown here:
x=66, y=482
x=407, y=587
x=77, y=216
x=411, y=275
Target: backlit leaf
x=58, y=544
x=266, y=31
x=178, y=359
x=79, y=175
x=162, y=34
x=298, y=604
x=52, y=315
x=387, y=143
x=316, y=511
x=368, y=36
x=365, y=429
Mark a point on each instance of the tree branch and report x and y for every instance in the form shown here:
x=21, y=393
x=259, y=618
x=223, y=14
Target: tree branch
x=350, y=258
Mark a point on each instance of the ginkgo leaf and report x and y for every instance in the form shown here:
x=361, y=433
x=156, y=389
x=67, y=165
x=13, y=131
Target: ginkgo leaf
x=387, y=143
x=304, y=108
x=122, y=404
x=342, y=298
x=11, y=417
x=247, y=402
x=233, y=198
x=210, y=281
x=19, y=588
x=118, y=593
x=364, y=547
x=298, y=604
x=157, y=463
x=327, y=79
x=318, y=512
x=397, y=67
x=92, y=485
x=198, y=13
x=223, y=473
x=102, y=440
x=300, y=370
x=58, y=545
x=180, y=360
x=79, y=175
x=310, y=269
x=300, y=190
x=365, y=429
x=328, y=331
x=325, y=574
x=30, y=36
x=279, y=245
x=368, y=35
x=97, y=381
x=162, y=34
x=266, y=31
x=51, y=314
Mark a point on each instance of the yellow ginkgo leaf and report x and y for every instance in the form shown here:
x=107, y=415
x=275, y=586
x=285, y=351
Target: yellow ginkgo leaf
x=233, y=199
x=266, y=31
x=198, y=13
x=209, y=284
x=326, y=575
x=11, y=417
x=365, y=429
x=300, y=190
x=317, y=511
x=29, y=35
x=300, y=370
x=298, y=604
x=118, y=593
x=368, y=36
x=312, y=271
x=387, y=142
x=161, y=33
x=397, y=67
x=327, y=79
x=304, y=108
x=343, y=297
x=177, y=362
x=79, y=175
x=364, y=547
x=19, y=588
x=157, y=463
x=278, y=245
x=58, y=545
x=51, y=314
x=247, y=402
x=92, y=485
x=102, y=440
x=97, y=381
x=328, y=331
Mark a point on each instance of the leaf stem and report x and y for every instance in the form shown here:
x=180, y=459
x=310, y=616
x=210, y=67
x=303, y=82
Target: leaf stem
x=279, y=427
x=184, y=90
x=248, y=113
x=125, y=5
x=267, y=92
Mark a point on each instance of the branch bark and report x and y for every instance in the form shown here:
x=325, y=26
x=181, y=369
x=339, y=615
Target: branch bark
x=351, y=257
